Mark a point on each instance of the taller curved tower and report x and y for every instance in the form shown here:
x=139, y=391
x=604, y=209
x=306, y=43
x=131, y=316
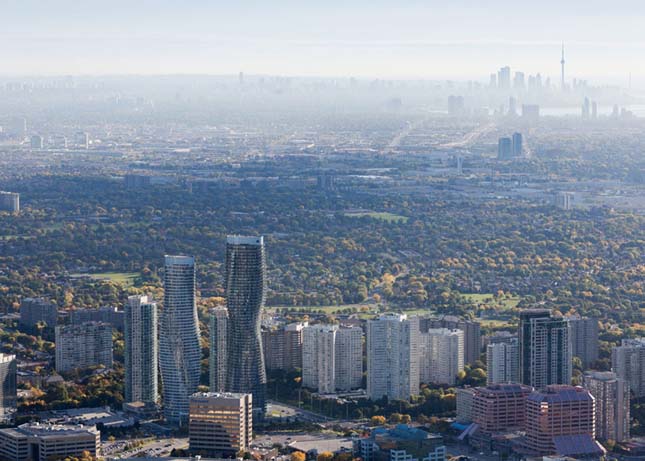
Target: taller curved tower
x=245, y=295
x=179, y=351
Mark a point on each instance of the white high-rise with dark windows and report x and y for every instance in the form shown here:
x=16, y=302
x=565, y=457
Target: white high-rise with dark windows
x=245, y=296
x=141, y=350
x=179, y=350
x=8, y=390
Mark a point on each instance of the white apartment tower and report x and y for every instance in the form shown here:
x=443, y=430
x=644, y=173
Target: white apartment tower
x=502, y=361
x=392, y=357
x=141, y=350
x=443, y=357
x=332, y=358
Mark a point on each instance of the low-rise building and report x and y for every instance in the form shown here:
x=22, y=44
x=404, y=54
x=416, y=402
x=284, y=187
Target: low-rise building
x=402, y=443
x=42, y=442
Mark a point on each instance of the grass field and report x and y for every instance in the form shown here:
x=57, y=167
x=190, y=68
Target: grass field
x=489, y=299
x=382, y=215
x=123, y=278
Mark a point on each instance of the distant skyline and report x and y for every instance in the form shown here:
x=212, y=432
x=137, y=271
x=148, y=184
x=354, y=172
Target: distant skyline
x=379, y=39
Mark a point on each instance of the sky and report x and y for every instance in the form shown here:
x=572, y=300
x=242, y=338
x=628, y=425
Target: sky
x=408, y=39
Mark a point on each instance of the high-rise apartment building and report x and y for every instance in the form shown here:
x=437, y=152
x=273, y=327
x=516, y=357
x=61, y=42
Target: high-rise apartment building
x=504, y=78
x=502, y=361
x=8, y=389
x=141, y=350
x=179, y=350
x=628, y=362
x=584, y=339
x=245, y=296
x=35, y=310
x=545, y=349
x=218, y=356
x=500, y=407
x=10, y=201
x=83, y=346
x=332, y=358
x=283, y=346
x=517, y=145
x=471, y=329
x=221, y=424
x=392, y=357
x=612, y=404
x=504, y=148
x=561, y=420
x=441, y=355
x=106, y=314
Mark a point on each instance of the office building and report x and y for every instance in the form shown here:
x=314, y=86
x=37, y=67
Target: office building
x=37, y=310
x=392, y=357
x=218, y=356
x=500, y=407
x=8, y=389
x=245, y=296
x=584, y=339
x=105, y=314
x=136, y=181
x=179, y=349
x=332, y=358
x=471, y=329
x=441, y=355
x=504, y=78
x=628, y=362
x=83, y=346
x=221, y=424
x=401, y=443
x=545, y=349
x=517, y=145
x=283, y=346
x=37, y=142
x=465, y=396
x=612, y=404
x=504, y=148
x=561, y=420
x=502, y=360
x=141, y=350
x=518, y=81
x=10, y=201
x=43, y=442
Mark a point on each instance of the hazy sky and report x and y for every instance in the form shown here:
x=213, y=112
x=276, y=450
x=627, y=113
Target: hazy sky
x=462, y=39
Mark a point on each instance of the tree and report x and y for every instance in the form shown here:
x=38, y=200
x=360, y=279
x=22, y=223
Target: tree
x=298, y=456
x=377, y=420
x=325, y=456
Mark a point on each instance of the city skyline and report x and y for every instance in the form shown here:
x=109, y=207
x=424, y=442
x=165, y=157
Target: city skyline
x=409, y=40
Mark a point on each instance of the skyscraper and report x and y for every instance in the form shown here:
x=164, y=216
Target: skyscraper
x=83, y=346
x=628, y=362
x=545, y=349
x=8, y=390
x=179, y=351
x=517, y=144
x=245, y=295
x=502, y=361
x=141, y=350
x=392, y=357
x=584, y=339
x=562, y=86
x=441, y=355
x=504, y=78
x=218, y=348
x=332, y=358
x=504, y=148
x=612, y=404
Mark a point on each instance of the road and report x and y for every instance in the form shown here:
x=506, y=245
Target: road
x=471, y=137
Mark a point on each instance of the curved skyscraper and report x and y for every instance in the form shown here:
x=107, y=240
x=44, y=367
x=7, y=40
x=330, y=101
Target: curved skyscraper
x=179, y=350
x=245, y=295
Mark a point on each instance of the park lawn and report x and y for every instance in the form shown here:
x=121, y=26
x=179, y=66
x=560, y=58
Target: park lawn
x=488, y=299
x=382, y=215
x=122, y=278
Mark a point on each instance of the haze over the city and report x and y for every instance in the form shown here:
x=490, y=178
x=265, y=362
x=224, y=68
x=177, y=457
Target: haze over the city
x=383, y=39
